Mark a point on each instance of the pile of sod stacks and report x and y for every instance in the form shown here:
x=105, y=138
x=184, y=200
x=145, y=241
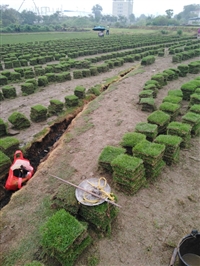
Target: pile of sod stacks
x=171, y=74
x=182, y=130
x=38, y=113
x=172, y=147
x=194, y=99
x=148, y=60
x=128, y=173
x=154, y=82
x=65, y=198
x=148, y=104
x=193, y=120
x=99, y=217
x=160, y=78
x=27, y=88
x=149, y=130
x=194, y=108
x=9, y=91
x=130, y=139
x=152, y=156
x=184, y=69
x=5, y=163
x=194, y=67
x=19, y=121
x=151, y=86
x=71, y=100
x=172, y=99
x=171, y=109
x=55, y=107
x=189, y=88
x=108, y=154
x=145, y=94
x=3, y=130
x=79, y=91
x=9, y=145
x=64, y=238
x=161, y=119
x=176, y=93
x=176, y=73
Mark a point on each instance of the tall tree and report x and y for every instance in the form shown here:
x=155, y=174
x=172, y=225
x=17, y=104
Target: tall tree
x=132, y=18
x=28, y=17
x=169, y=13
x=122, y=20
x=188, y=12
x=9, y=16
x=96, y=10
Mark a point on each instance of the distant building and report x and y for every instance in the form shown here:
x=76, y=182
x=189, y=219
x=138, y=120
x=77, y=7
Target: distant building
x=122, y=8
x=194, y=21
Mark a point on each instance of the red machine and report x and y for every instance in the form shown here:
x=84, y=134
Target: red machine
x=20, y=172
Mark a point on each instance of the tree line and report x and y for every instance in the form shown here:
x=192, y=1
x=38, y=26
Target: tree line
x=28, y=21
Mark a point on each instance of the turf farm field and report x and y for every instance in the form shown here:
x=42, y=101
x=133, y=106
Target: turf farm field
x=124, y=107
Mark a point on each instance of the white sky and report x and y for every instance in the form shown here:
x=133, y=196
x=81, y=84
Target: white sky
x=147, y=7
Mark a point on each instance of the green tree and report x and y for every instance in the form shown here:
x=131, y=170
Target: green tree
x=169, y=13
x=9, y=16
x=122, y=20
x=28, y=17
x=132, y=18
x=188, y=12
x=96, y=10
x=160, y=21
x=141, y=20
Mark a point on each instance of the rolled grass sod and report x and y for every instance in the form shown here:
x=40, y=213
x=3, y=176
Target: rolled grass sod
x=65, y=199
x=71, y=100
x=176, y=92
x=55, y=107
x=64, y=238
x=171, y=109
x=161, y=119
x=108, y=154
x=188, y=89
x=182, y=130
x=172, y=99
x=153, y=88
x=148, y=129
x=79, y=91
x=128, y=173
x=99, y=217
x=9, y=92
x=195, y=108
x=38, y=113
x=146, y=94
x=149, y=152
x=194, y=99
x=152, y=155
x=130, y=139
x=172, y=147
x=192, y=119
x=19, y=120
x=9, y=145
x=148, y=104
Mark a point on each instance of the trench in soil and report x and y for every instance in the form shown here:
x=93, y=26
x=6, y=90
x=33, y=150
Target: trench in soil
x=40, y=150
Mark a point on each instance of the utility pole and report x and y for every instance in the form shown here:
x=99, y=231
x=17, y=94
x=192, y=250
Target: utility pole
x=34, y=5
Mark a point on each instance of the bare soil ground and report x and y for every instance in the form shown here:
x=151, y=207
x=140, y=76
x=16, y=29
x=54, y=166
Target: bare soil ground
x=151, y=222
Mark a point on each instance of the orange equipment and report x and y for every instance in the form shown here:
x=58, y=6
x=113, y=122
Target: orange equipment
x=20, y=172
